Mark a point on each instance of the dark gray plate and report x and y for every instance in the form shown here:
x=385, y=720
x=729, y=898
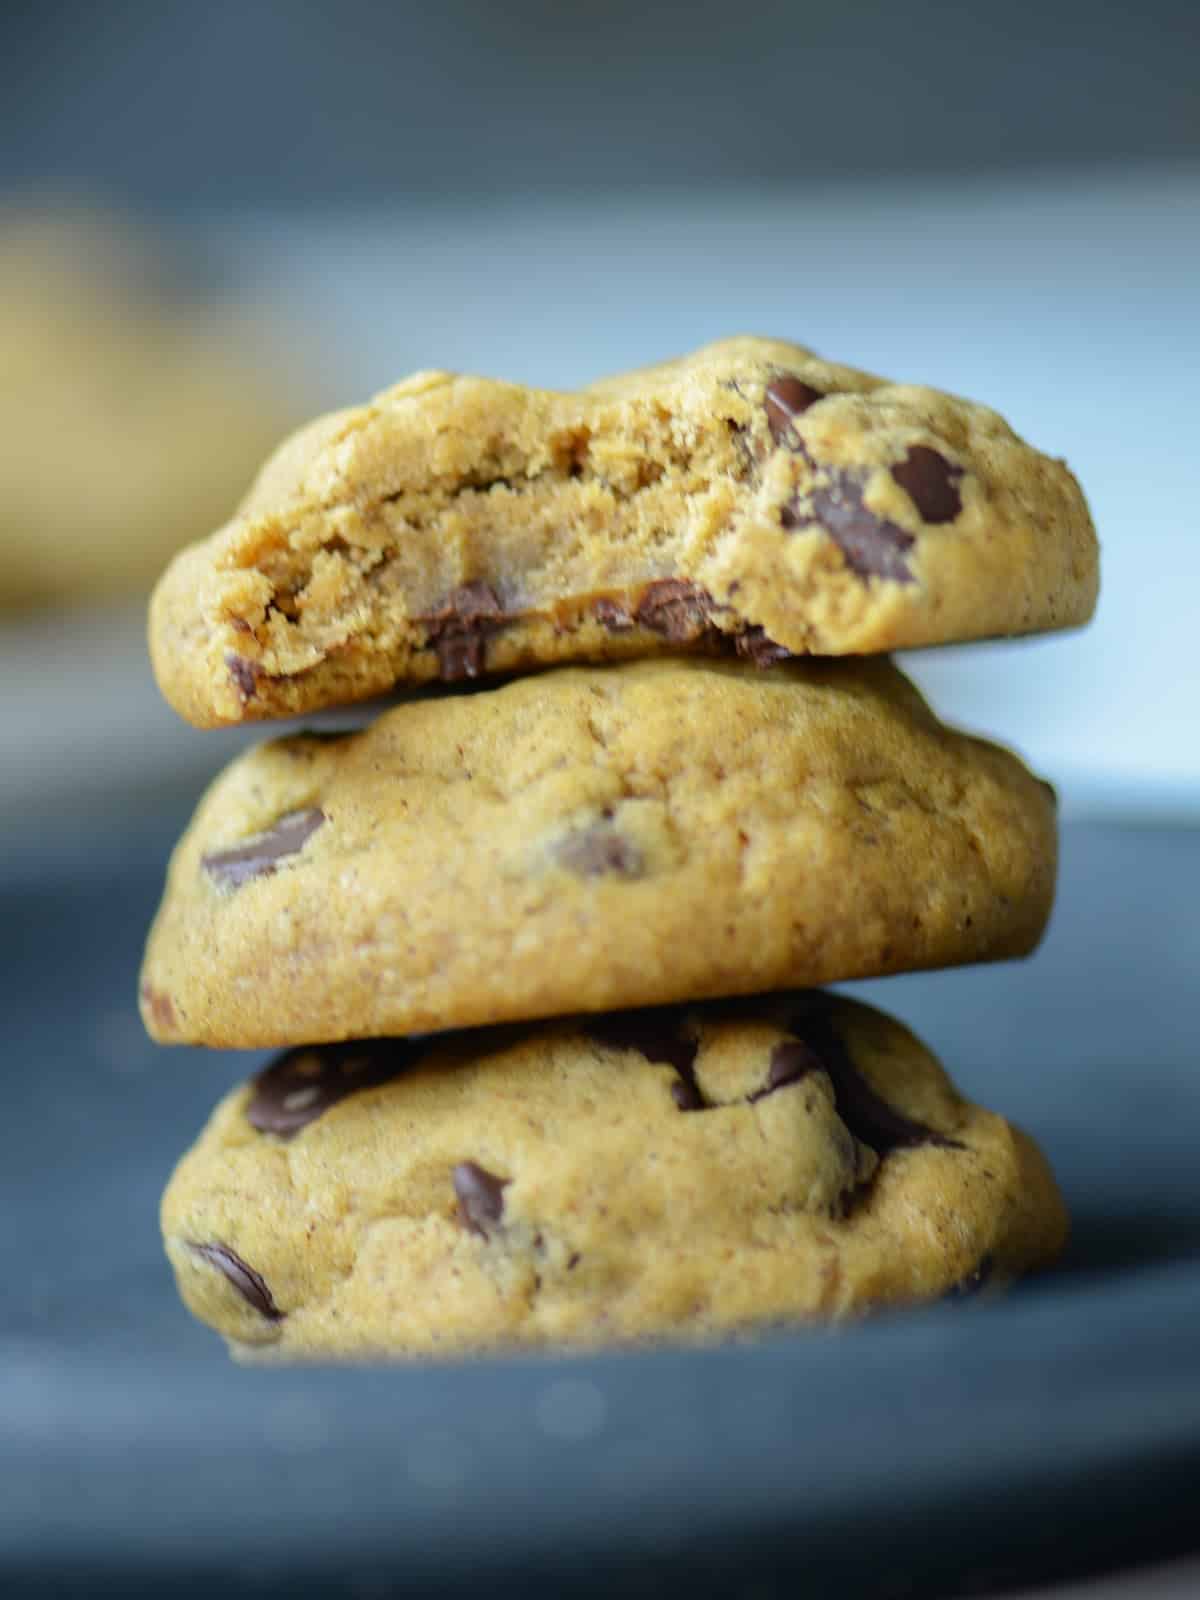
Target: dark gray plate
x=1056, y=1430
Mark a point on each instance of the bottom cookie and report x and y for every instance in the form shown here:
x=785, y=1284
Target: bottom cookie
x=680, y=1172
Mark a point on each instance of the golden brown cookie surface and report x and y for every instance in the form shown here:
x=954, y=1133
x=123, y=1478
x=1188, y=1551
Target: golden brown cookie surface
x=684, y=1171
x=591, y=839
x=750, y=496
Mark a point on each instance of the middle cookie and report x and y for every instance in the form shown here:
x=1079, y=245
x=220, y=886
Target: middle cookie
x=589, y=840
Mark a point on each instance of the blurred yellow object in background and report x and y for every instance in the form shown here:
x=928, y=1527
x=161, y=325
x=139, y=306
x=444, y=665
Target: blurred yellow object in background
x=133, y=410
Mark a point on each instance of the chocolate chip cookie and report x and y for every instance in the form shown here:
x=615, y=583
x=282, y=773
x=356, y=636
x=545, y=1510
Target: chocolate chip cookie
x=593, y=838
x=681, y=1171
x=751, y=497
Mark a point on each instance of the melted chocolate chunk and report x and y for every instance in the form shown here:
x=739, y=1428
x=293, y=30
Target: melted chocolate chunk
x=790, y=1062
x=931, y=483
x=480, y=1197
x=613, y=616
x=786, y=399
x=258, y=857
x=461, y=656
x=598, y=850
x=460, y=630
x=243, y=673
x=678, y=609
x=248, y=1283
x=757, y=647
x=872, y=545
x=473, y=602
x=301, y=1086
x=656, y=1033
x=869, y=1117
x=687, y=1093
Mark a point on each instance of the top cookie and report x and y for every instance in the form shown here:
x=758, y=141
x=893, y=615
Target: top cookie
x=750, y=495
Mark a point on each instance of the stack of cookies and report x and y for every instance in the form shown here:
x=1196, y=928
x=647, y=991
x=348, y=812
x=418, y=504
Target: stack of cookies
x=542, y=948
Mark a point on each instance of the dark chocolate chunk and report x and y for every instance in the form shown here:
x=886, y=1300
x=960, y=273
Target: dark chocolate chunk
x=790, y=1062
x=678, y=609
x=869, y=1117
x=459, y=631
x=473, y=602
x=687, y=1094
x=931, y=483
x=600, y=849
x=248, y=1283
x=461, y=655
x=258, y=857
x=785, y=399
x=872, y=545
x=612, y=616
x=300, y=1086
x=757, y=647
x=480, y=1197
x=244, y=674
x=657, y=1033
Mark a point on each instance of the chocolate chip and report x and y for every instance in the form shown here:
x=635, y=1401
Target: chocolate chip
x=258, y=857
x=244, y=674
x=869, y=1118
x=612, y=616
x=459, y=631
x=475, y=601
x=480, y=1197
x=678, y=609
x=872, y=545
x=931, y=483
x=790, y=1062
x=656, y=1033
x=786, y=399
x=686, y=1093
x=248, y=1283
x=757, y=647
x=600, y=849
x=461, y=656
x=301, y=1086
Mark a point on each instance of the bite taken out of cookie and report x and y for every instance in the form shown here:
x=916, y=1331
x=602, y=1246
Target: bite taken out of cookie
x=750, y=497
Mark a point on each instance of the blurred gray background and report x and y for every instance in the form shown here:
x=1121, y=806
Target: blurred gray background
x=999, y=200
x=219, y=103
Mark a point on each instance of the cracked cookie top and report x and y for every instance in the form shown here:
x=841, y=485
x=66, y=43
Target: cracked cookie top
x=682, y=1171
x=750, y=498
x=593, y=838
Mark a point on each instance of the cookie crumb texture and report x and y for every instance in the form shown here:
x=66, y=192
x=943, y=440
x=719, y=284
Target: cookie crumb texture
x=590, y=839
x=749, y=497
x=682, y=1172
